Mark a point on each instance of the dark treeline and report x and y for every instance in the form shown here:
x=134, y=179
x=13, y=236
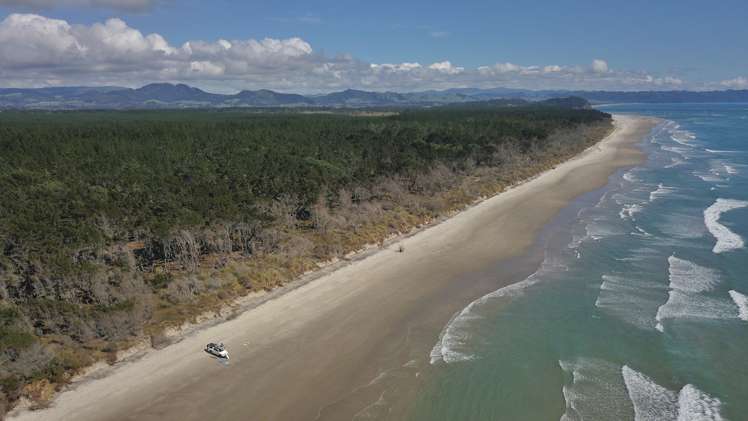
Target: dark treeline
x=115, y=224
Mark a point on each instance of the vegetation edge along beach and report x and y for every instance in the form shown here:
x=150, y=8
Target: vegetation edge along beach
x=121, y=225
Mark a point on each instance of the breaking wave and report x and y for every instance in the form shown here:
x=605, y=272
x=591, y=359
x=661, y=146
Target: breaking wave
x=687, y=276
x=630, y=300
x=709, y=177
x=601, y=390
x=679, y=150
x=660, y=192
x=686, y=299
x=453, y=344
x=628, y=211
x=452, y=339
x=682, y=305
x=630, y=177
x=674, y=162
x=594, y=390
x=741, y=301
x=723, y=151
x=653, y=402
x=684, y=137
x=726, y=239
x=598, y=228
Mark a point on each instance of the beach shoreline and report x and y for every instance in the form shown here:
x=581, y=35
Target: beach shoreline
x=313, y=348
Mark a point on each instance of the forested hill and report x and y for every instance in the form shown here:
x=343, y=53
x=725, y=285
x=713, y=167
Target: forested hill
x=116, y=225
x=166, y=95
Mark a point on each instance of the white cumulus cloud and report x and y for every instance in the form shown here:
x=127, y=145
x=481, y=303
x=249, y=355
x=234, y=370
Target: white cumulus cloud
x=446, y=67
x=739, y=82
x=599, y=66
x=400, y=67
x=28, y=40
x=37, y=51
x=499, y=68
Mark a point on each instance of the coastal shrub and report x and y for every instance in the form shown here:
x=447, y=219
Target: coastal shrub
x=15, y=340
x=161, y=281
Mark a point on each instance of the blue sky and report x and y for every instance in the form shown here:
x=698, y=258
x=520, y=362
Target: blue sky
x=645, y=44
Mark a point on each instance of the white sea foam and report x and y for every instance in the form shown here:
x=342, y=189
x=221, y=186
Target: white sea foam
x=373, y=411
x=682, y=140
x=639, y=254
x=713, y=175
x=741, y=301
x=576, y=241
x=730, y=169
x=641, y=232
x=686, y=299
x=687, y=276
x=684, y=137
x=674, y=162
x=695, y=405
x=660, y=192
x=596, y=391
x=630, y=300
x=599, y=228
x=628, y=211
x=630, y=177
x=722, y=168
x=709, y=177
x=453, y=338
x=723, y=151
x=719, y=171
x=680, y=150
x=577, y=238
x=571, y=413
x=453, y=344
x=682, y=305
x=726, y=239
x=653, y=402
x=680, y=225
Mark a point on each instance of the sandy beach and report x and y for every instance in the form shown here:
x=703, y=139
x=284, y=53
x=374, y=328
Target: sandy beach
x=330, y=348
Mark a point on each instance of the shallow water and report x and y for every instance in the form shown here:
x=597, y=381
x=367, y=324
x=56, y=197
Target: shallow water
x=643, y=315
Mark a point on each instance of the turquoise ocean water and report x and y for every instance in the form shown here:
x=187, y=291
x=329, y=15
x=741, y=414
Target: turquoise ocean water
x=641, y=315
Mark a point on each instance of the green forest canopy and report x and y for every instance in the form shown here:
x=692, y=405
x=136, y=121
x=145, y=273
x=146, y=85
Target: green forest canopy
x=150, y=172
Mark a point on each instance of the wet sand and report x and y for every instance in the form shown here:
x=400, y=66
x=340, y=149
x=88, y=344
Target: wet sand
x=331, y=348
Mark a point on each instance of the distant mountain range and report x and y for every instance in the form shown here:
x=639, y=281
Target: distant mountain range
x=166, y=95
